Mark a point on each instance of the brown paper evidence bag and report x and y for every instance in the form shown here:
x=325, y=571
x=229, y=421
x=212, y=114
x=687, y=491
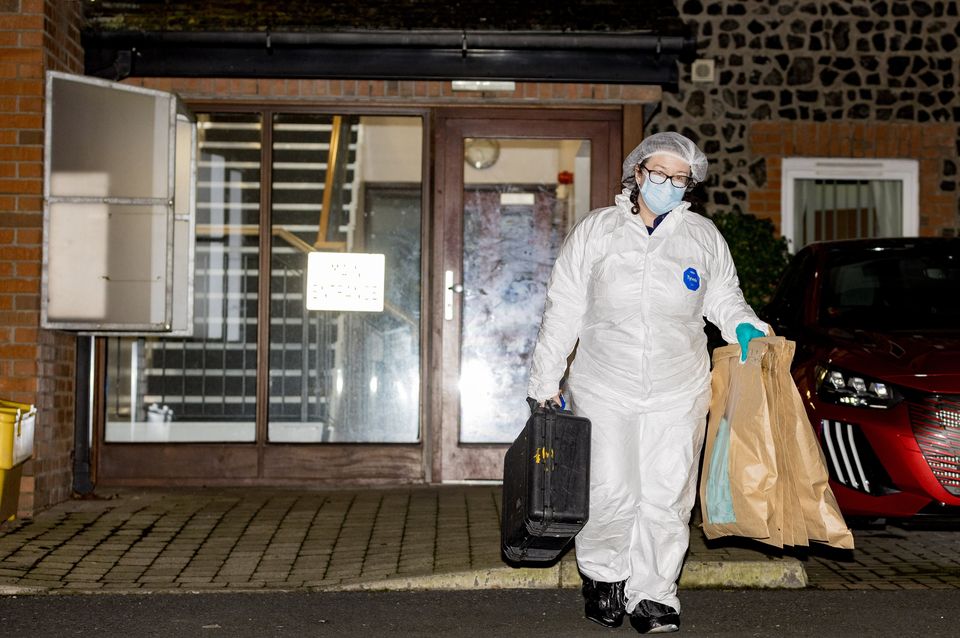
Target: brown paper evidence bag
x=764, y=475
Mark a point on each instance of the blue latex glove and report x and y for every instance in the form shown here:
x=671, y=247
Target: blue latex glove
x=746, y=332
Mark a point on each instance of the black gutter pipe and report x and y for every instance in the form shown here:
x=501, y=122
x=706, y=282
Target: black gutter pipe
x=445, y=39
x=637, y=57
x=82, y=483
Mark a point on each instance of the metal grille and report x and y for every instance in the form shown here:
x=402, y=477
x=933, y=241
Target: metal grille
x=851, y=460
x=936, y=426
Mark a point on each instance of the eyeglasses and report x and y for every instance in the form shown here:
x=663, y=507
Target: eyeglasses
x=677, y=181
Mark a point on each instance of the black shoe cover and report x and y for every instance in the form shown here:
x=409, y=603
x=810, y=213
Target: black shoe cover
x=603, y=602
x=650, y=617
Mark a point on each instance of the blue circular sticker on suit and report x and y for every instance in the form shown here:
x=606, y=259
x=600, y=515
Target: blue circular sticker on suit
x=691, y=278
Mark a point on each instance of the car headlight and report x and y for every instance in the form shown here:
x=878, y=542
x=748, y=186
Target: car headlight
x=848, y=388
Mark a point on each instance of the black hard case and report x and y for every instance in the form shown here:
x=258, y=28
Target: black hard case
x=546, y=485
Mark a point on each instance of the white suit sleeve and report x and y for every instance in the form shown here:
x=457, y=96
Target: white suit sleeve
x=724, y=304
x=562, y=314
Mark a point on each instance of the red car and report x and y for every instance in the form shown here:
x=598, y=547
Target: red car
x=877, y=327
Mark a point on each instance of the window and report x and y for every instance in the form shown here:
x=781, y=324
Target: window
x=786, y=307
x=203, y=388
x=336, y=183
x=345, y=184
x=833, y=198
x=911, y=287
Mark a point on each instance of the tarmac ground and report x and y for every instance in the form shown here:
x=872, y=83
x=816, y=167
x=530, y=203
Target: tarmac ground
x=404, y=538
x=501, y=613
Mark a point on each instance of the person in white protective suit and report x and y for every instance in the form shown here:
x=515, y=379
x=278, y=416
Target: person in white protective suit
x=633, y=282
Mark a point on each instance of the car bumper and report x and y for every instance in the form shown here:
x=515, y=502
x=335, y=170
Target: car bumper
x=881, y=460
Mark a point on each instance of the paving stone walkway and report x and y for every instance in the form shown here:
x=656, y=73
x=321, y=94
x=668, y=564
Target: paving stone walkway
x=286, y=539
x=894, y=557
x=250, y=538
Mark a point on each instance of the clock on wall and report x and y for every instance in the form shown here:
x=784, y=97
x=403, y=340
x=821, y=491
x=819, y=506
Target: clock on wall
x=481, y=152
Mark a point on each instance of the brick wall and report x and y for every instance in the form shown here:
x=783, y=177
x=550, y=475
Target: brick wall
x=402, y=92
x=863, y=78
x=36, y=366
x=930, y=144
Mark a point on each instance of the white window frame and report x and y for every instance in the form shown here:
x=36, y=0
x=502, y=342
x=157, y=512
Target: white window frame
x=839, y=168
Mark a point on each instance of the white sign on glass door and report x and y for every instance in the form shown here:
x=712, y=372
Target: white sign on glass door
x=345, y=281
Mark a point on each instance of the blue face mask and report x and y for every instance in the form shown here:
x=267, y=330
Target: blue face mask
x=661, y=198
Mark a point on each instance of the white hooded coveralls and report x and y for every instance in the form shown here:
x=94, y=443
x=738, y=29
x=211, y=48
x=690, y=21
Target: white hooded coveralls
x=641, y=374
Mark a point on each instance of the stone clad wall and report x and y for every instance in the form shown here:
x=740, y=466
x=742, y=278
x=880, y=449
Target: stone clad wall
x=812, y=73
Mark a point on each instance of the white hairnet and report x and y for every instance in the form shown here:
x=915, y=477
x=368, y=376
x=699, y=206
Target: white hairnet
x=669, y=143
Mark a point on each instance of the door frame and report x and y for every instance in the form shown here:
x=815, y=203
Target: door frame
x=451, y=461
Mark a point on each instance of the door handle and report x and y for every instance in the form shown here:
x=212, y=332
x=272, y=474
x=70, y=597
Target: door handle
x=448, y=289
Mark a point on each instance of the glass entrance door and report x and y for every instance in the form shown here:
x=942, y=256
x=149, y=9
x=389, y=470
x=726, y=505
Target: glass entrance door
x=511, y=235
x=513, y=189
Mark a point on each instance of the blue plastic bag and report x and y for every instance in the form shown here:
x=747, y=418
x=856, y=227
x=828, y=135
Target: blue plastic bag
x=719, y=499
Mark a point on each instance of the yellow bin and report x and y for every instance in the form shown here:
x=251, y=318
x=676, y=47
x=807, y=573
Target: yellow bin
x=17, y=424
x=10, y=492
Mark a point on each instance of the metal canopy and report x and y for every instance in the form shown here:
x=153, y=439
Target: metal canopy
x=621, y=58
